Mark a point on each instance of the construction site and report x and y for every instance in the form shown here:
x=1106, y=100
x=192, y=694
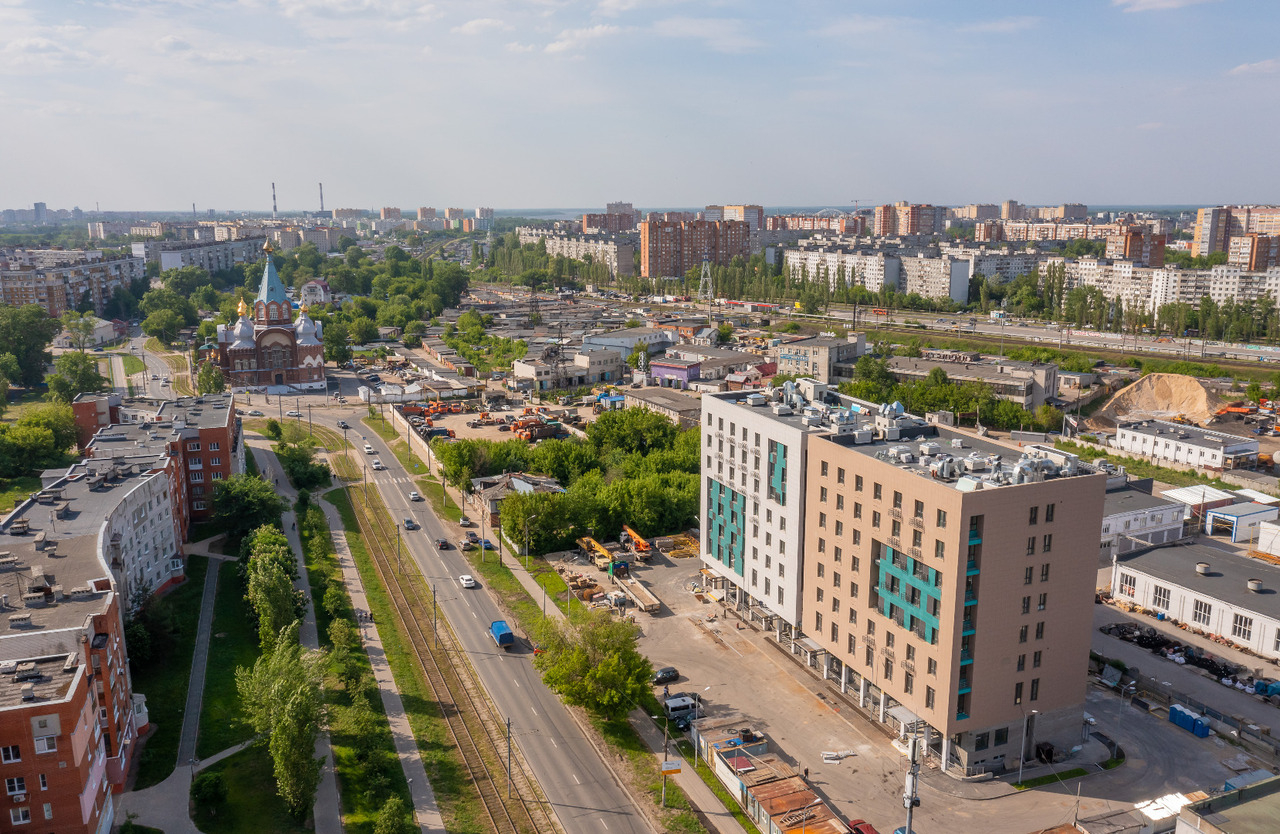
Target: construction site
x=613, y=584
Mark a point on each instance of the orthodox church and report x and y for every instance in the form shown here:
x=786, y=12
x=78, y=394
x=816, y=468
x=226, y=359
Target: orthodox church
x=271, y=349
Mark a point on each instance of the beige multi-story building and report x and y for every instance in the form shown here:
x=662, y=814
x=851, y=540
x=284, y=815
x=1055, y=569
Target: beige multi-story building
x=905, y=218
x=1139, y=245
x=840, y=264
x=348, y=214
x=210, y=256
x=454, y=214
x=826, y=359
x=389, y=213
x=977, y=211
x=1254, y=252
x=58, y=280
x=618, y=253
x=953, y=598
x=1215, y=227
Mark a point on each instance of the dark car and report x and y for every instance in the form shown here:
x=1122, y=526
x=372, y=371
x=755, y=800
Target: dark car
x=442, y=544
x=666, y=674
x=862, y=827
x=342, y=424
x=410, y=524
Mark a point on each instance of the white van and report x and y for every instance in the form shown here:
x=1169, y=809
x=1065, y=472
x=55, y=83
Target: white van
x=681, y=708
x=368, y=450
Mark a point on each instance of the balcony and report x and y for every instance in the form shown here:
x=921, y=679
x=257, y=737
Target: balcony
x=970, y=598
x=895, y=543
x=966, y=628
x=961, y=716
x=966, y=657
x=975, y=537
x=915, y=553
x=962, y=686
x=971, y=569
x=917, y=522
x=895, y=512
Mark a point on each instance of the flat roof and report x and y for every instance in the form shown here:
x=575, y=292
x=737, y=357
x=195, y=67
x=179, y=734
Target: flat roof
x=955, y=370
x=51, y=678
x=1194, y=495
x=1186, y=434
x=1243, y=510
x=819, y=341
x=1227, y=580
x=1129, y=500
x=1254, y=809
x=663, y=398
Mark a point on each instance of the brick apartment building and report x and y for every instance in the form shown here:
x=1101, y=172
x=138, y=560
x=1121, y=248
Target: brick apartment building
x=672, y=248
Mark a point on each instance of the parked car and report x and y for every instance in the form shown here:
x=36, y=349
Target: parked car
x=465, y=522
x=414, y=496
x=467, y=581
x=666, y=674
x=472, y=537
x=862, y=827
x=487, y=545
x=463, y=544
x=410, y=524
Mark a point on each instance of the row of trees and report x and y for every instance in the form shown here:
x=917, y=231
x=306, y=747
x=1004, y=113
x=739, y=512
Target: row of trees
x=531, y=266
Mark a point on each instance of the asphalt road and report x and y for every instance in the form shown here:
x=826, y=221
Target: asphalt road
x=574, y=778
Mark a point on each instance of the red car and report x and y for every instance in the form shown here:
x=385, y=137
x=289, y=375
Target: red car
x=862, y=827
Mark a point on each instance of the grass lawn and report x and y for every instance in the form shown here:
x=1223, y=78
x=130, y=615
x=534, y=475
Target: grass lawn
x=233, y=643
x=1049, y=779
x=382, y=426
x=132, y=364
x=329, y=438
x=252, y=804
x=444, y=506
x=14, y=490
x=164, y=680
x=250, y=463
x=19, y=405
x=1142, y=469
x=459, y=803
x=344, y=467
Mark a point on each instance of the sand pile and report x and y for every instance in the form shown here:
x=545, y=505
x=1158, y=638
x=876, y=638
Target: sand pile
x=1158, y=396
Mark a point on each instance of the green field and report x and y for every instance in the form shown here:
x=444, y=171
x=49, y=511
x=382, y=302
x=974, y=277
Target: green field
x=232, y=643
x=14, y=490
x=252, y=805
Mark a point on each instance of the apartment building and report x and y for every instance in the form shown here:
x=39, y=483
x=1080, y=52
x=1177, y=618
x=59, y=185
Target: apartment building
x=1139, y=245
x=905, y=218
x=608, y=223
x=977, y=211
x=953, y=598
x=58, y=280
x=618, y=253
x=210, y=256
x=1253, y=252
x=671, y=248
x=826, y=359
x=945, y=276
x=843, y=265
x=1187, y=445
x=1215, y=227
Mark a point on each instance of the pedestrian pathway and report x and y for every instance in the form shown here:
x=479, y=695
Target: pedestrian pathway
x=425, y=809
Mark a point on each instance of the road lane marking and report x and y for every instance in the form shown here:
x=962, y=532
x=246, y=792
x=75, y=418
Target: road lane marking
x=602, y=822
x=532, y=710
x=517, y=683
x=576, y=779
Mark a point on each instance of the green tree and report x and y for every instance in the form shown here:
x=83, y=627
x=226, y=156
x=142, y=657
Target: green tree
x=79, y=329
x=594, y=664
x=244, y=502
x=75, y=374
x=57, y=417
x=724, y=333
x=362, y=330
x=336, y=348
x=393, y=818
x=163, y=298
x=26, y=333
x=631, y=430
x=273, y=599
x=163, y=325
x=209, y=379
x=209, y=790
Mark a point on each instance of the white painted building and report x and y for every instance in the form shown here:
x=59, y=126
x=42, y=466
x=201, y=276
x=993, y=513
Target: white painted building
x=1133, y=519
x=753, y=502
x=1208, y=589
x=1187, y=445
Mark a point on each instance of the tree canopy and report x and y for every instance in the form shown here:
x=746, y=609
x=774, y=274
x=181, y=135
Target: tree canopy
x=243, y=503
x=594, y=664
x=26, y=333
x=75, y=374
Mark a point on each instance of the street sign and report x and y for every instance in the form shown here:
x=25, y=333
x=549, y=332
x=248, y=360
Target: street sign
x=670, y=767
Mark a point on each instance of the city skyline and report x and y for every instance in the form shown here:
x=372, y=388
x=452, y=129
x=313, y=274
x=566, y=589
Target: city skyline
x=539, y=103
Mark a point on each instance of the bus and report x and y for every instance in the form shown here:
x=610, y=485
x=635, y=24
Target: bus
x=880, y=311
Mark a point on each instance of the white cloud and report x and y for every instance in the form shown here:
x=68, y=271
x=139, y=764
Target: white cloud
x=721, y=34
x=173, y=43
x=1258, y=67
x=862, y=24
x=520, y=47
x=479, y=26
x=1002, y=26
x=574, y=38
x=1156, y=5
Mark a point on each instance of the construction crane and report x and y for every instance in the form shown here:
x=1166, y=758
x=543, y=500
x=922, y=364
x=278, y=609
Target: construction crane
x=855, y=202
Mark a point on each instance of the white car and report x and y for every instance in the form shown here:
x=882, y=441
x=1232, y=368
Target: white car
x=368, y=450
x=414, y=496
x=293, y=414
x=467, y=581
x=377, y=464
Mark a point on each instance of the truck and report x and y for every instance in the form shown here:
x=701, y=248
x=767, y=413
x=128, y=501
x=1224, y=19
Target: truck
x=602, y=557
x=640, y=595
x=503, y=637
x=638, y=544
x=437, y=431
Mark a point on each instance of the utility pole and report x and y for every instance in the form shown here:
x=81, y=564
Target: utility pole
x=909, y=797
x=310, y=431
x=434, y=629
x=399, y=565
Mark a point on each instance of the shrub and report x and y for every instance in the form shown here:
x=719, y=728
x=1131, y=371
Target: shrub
x=209, y=789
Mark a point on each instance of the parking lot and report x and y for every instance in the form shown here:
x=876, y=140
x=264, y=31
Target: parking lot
x=740, y=671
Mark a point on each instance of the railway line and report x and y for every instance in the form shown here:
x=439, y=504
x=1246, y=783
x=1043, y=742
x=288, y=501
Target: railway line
x=514, y=807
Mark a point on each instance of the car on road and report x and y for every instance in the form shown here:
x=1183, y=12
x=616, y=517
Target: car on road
x=368, y=450
x=472, y=537
x=255, y=413
x=442, y=544
x=377, y=464
x=293, y=414
x=410, y=524
x=155, y=377
x=342, y=424
x=467, y=581
x=414, y=496
x=666, y=674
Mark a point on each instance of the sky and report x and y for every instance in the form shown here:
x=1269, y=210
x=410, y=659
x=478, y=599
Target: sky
x=156, y=104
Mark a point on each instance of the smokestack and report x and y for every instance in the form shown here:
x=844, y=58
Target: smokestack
x=193, y=211
x=322, y=198
x=273, y=201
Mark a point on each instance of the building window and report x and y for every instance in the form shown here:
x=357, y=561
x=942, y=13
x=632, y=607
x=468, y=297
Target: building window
x=817, y=622
x=822, y=519
x=835, y=633
x=1017, y=692
x=1128, y=585
x=942, y=518
x=857, y=481
x=1028, y=575
x=12, y=753
x=1022, y=662
x=839, y=528
x=897, y=500
x=835, y=579
x=981, y=741
x=1201, y=612
x=1035, y=689
x=46, y=744
x=44, y=782
x=853, y=644
x=1048, y=543
x=824, y=471
x=1022, y=634
x=875, y=518
x=1040, y=630
x=822, y=494
x=1160, y=597
x=888, y=669
x=932, y=666
x=215, y=461
x=839, y=502
x=908, y=682
x=1026, y=605
x=839, y=552
x=919, y=511
x=1048, y=512
x=197, y=477
x=15, y=784
x=214, y=446
x=876, y=492
x=193, y=447
x=928, y=697
x=1002, y=737
x=1035, y=661
x=1044, y=572
x=1031, y=545
x=1044, y=600
x=857, y=510
x=857, y=537
x=1035, y=512
x=217, y=476
x=18, y=816
x=1242, y=627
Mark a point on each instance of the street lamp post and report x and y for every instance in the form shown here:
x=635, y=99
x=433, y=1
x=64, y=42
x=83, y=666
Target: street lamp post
x=804, y=814
x=666, y=736
x=526, y=540
x=1022, y=753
